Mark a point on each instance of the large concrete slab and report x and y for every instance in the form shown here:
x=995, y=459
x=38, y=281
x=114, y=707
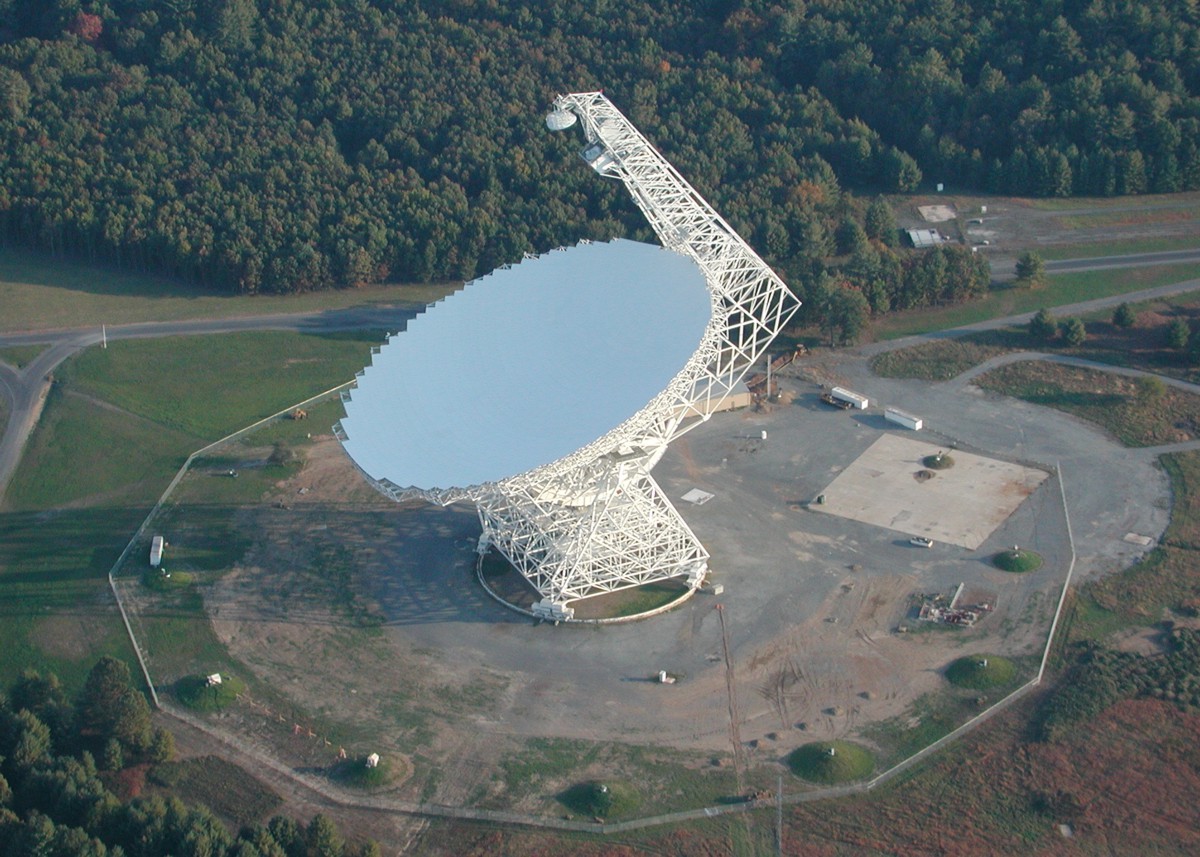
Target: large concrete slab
x=888, y=486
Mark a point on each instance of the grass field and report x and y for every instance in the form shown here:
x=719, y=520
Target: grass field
x=212, y=385
x=117, y=426
x=40, y=293
x=939, y=360
x=18, y=356
x=1096, y=249
x=1166, y=579
x=226, y=789
x=1060, y=289
x=1115, y=403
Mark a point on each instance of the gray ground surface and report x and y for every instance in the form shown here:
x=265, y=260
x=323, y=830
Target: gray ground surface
x=812, y=601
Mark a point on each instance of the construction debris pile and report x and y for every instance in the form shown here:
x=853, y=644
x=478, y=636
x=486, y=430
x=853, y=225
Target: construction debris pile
x=948, y=610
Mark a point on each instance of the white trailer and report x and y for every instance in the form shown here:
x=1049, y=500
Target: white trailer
x=156, y=549
x=854, y=399
x=901, y=418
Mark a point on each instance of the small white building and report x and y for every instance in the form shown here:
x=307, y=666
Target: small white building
x=156, y=550
x=373, y=760
x=213, y=680
x=903, y=418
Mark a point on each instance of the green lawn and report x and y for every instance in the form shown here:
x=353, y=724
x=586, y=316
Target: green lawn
x=18, y=356
x=209, y=386
x=1094, y=249
x=116, y=428
x=40, y=293
x=1060, y=289
x=82, y=452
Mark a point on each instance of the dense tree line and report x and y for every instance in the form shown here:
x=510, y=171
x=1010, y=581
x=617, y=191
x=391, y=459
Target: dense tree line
x=1050, y=99
x=55, y=756
x=288, y=145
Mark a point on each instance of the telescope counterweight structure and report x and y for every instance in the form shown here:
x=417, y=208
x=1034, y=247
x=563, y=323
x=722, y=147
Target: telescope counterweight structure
x=594, y=520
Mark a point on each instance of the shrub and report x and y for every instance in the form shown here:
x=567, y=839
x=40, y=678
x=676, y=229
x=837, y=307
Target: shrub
x=941, y=461
x=1043, y=326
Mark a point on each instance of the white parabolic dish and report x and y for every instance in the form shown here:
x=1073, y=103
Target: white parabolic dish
x=527, y=365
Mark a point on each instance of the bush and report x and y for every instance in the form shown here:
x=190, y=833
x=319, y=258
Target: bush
x=1073, y=332
x=1124, y=316
x=981, y=672
x=1017, y=560
x=1043, y=327
x=816, y=763
x=1178, y=334
x=941, y=461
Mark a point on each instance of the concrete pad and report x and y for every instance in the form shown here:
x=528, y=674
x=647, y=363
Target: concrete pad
x=936, y=213
x=962, y=505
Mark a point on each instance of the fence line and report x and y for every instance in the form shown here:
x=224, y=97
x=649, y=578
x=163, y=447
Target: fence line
x=504, y=817
x=171, y=486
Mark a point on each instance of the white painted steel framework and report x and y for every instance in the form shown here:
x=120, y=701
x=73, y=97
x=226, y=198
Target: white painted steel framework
x=595, y=521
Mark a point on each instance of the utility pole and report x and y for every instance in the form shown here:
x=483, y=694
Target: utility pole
x=735, y=737
x=779, y=818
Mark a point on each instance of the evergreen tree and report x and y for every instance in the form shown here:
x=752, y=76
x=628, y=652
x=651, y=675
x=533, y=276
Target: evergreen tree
x=1031, y=269
x=1123, y=316
x=1178, y=334
x=1043, y=327
x=880, y=222
x=109, y=707
x=1074, y=333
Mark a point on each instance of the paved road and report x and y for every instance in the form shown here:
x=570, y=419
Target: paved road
x=1081, y=308
x=1004, y=267
x=25, y=389
x=1136, y=260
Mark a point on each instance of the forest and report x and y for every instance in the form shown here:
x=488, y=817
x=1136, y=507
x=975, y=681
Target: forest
x=63, y=763
x=262, y=146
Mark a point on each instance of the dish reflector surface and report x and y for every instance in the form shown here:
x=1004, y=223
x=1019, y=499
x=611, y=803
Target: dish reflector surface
x=526, y=365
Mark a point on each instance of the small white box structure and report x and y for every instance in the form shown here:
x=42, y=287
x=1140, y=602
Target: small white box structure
x=697, y=497
x=663, y=678
x=902, y=418
x=156, y=549
x=849, y=396
x=213, y=680
x=717, y=588
x=373, y=760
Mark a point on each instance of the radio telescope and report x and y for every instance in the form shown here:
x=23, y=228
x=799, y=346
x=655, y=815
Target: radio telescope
x=545, y=392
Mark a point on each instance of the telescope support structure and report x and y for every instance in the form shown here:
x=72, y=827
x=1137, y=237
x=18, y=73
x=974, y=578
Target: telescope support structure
x=596, y=521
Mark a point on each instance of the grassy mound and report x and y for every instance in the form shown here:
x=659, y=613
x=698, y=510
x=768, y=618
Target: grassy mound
x=981, y=672
x=600, y=799
x=814, y=763
x=1017, y=560
x=195, y=692
x=354, y=772
x=158, y=580
x=940, y=461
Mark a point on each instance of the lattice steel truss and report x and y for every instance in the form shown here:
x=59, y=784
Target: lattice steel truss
x=595, y=521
